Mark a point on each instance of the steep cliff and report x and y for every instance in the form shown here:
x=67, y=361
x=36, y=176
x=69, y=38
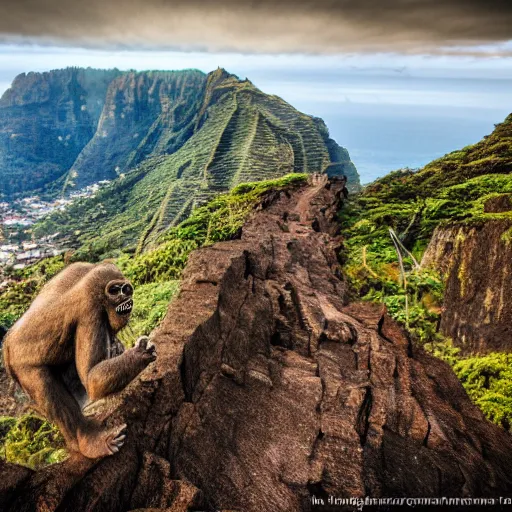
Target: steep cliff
x=46, y=119
x=145, y=114
x=476, y=264
x=269, y=389
x=237, y=134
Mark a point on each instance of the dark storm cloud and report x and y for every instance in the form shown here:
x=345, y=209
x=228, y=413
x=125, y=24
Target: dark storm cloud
x=263, y=26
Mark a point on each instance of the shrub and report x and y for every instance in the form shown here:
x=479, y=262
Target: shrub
x=162, y=264
x=488, y=381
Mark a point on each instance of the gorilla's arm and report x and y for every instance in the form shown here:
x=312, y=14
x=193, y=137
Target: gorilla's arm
x=99, y=375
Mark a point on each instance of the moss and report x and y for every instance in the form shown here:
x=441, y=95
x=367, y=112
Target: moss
x=506, y=236
x=6, y=424
x=488, y=381
x=462, y=277
x=31, y=441
x=460, y=237
x=445, y=350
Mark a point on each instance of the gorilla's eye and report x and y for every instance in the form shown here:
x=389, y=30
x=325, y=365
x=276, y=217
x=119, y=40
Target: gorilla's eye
x=115, y=289
x=127, y=289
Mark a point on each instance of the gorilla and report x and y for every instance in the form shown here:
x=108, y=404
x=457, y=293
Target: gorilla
x=63, y=352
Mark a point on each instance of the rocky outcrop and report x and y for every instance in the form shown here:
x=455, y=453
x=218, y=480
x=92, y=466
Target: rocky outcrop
x=269, y=389
x=476, y=264
x=145, y=114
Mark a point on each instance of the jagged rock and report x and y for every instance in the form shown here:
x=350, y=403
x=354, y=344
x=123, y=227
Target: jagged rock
x=270, y=388
x=475, y=260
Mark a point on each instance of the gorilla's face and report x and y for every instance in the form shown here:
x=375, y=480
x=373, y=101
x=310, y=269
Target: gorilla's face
x=119, y=294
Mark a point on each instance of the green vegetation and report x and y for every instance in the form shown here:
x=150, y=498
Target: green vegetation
x=455, y=189
x=25, y=284
x=30, y=441
x=487, y=380
x=379, y=271
x=452, y=189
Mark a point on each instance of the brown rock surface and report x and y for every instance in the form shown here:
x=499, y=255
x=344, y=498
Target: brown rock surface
x=12, y=401
x=269, y=389
x=476, y=262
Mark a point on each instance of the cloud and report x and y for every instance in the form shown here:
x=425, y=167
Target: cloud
x=265, y=26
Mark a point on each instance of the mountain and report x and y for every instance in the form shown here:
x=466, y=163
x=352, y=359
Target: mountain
x=271, y=392
x=144, y=114
x=66, y=129
x=204, y=135
x=46, y=119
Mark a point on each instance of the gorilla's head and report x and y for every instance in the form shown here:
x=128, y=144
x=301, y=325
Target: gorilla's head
x=119, y=298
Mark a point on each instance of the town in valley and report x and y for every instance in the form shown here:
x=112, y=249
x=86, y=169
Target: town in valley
x=18, y=246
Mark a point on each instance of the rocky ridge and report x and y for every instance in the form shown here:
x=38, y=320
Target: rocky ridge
x=270, y=388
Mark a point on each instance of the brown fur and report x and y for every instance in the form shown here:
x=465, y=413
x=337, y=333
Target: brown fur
x=59, y=353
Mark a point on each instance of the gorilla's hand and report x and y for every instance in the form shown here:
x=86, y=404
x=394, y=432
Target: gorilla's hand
x=145, y=349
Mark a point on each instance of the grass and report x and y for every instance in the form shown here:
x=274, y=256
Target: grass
x=30, y=441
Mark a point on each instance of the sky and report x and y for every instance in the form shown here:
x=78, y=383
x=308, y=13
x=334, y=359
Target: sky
x=398, y=82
